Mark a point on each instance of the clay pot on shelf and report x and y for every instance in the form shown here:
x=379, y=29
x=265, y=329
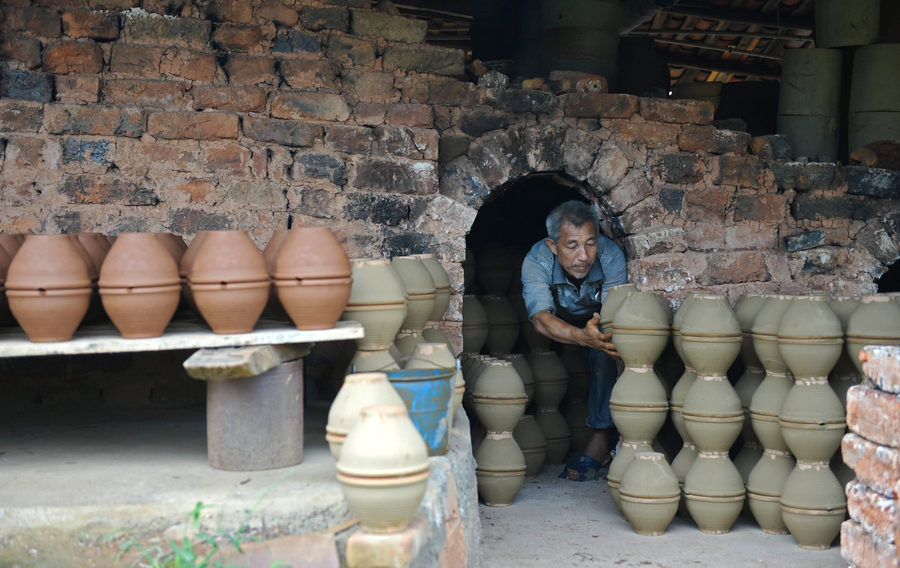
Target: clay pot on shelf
x=383, y=469
x=174, y=244
x=10, y=244
x=314, y=303
x=311, y=252
x=273, y=247
x=139, y=285
x=649, y=493
x=48, y=287
x=377, y=301
x=358, y=391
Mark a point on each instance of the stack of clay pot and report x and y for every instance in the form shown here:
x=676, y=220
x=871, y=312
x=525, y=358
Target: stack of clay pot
x=383, y=468
x=843, y=376
x=531, y=441
x=312, y=277
x=421, y=294
x=614, y=298
x=649, y=493
x=498, y=398
x=688, y=453
x=812, y=422
x=638, y=402
x=139, y=285
x=358, y=391
x=378, y=302
x=746, y=308
x=438, y=356
x=494, y=269
x=533, y=339
x=551, y=385
x=766, y=480
x=576, y=410
x=228, y=280
x=503, y=324
x=876, y=321
x=711, y=340
x=48, y=287
x=524, y=370
x=432, y=332
x=474, y=325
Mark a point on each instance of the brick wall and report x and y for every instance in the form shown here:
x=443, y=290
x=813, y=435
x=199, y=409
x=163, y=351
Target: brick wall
x=179, y=115
x=872, y=448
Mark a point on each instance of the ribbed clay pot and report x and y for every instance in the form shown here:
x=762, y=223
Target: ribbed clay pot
x=764, y=486
x=438, y=356
x=358, y=391
x=746, y=308
x=688, y=453
x=174, y=244
x=10, y=244
x=876, y=321
x=227, y=256
x=441, y=286
x=530, y=439
x=311, y=252
x=614, y=298
x=420, y=291
x=49, y=315
x=500, y=469
x=270, y=252
x=377, y=301
x=474, y=324
x=314, y=303
x=523, y=368
x=231, y=308
x=649, y=493
x=383, y=469
x=813, y=505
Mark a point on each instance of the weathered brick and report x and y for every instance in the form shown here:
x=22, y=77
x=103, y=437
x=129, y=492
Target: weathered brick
x=860, y=548
x=714, y=140
x=390, y=28
x=823, y=260
x=681, y=168
x=276, y=12
x=874, y=415
x=188, y=64
x=137, y=92
x=451, y=146
x=677, y=110
x=318, y=203
x=309, y=73
x=196, y=190
x=135, y=60
x=424, y=58
x=230, y=11
x=703, y=234
x=878, y=238
x=78, y=89
x=285, y=132
x=875, y=465
x=800, y=176
x=349, y=139
x=655, y=240
x=608, y=170
x=325, y=18
x=771, y=147
x=407, y=142
x=194, y=125
x=883, y=367
x=237, y=37
x=767, y=208
x=742, y=171
x=92, y=120
x=250, y=70
x=804, y=241
x=388, y=210
x=39, y=21
x=806, y=207
x=18, y=116
x=159, y=30
x=437, y=90
x=481, y=120
x=320, y=166
x=189, y=221
x=24, y=49
x=348, y=50
x=26, y=85
x=93, y=25
x=236, y=99
x=754, y=236
x=318, y=106
x=872, y=182
x=415, y=115
x=526, y=100
x=140, y=157
x=668, y=272
x=601, y=105
x=292, y=41
x=227, y=158
x=87, y=190
x=370, y=114
x=642, y=215
x=73, y=57
x=872, y=510
x=649, y=134
x=96, y=151
x=734, y=268
x=371, y=86
x=29, y=153
x=417, y=177
x=672, y=199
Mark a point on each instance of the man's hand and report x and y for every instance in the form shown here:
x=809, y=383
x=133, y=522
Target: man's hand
x=596, y=339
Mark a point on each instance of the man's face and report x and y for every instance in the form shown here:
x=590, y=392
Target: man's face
x=576, y=248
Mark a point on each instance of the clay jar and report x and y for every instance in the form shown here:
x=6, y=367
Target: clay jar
x=377, y=301
x=441, y=286
x=474, y=325
x=438, y=356
x=524, y=370
x=876, y=321
x=551, y=385
x=10, y=244
x=48, y=287
x=421, y=295
x=174, y=244
x=503, y=323
x=530, y=439
x=139, y=285
x=359, y=390
x=228, y=281
x=649, y=493
x=746, y=308
x=383, y=469
x=688, y=453
x=614, y=298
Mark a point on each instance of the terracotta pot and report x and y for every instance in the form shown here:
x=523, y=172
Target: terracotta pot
x=141, y=311
x=315, y=303
x=92, y=265
x=187, y=259
x=96, y=246
x=49, y=315
x=10, y=244
x=474, y=325
x=311, y=252
x=649, y=493
x=383, y=469
x=233, y=307
x=48, y=262
x=358, y=391
x=273, y=247
x=174, y=244
x=138, y=260
x=531, y=441
x=228, y=257
x=503, y=323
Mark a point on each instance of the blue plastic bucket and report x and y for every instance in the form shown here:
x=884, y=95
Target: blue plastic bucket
x=427, y=394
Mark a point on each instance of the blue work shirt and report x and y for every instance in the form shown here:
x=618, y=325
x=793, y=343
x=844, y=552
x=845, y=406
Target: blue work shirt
x=545, y=286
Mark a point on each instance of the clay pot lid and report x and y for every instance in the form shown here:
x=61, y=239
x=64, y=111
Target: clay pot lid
x=227, y=256
x=47, y=262
x=138, y=259
x=311, y=252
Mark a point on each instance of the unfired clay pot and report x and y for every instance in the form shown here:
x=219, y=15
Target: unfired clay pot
x=876, y=321
x=530, y=439
x=474, y=325
x=377, y=301
x=503, y=323
x=420, y=291
x=649, y=493
x=614, y=297
x=441, y=286
x=358, y=391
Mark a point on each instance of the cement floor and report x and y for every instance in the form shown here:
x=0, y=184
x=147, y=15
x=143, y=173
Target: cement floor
x=554, y=522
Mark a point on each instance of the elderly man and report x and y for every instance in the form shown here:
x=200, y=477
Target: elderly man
x=565, y=278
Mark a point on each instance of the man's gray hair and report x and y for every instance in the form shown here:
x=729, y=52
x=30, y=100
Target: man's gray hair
x=575, y=212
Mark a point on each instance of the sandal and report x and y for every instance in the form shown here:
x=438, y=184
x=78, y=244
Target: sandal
x=585, y=468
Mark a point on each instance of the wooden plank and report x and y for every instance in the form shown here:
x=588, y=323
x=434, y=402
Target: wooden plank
x=224, y=363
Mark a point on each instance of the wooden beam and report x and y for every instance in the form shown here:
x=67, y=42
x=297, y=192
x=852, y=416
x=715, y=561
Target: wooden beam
x=744, y=17
x=716, y=48
x=693, y=62
x=761, y=35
